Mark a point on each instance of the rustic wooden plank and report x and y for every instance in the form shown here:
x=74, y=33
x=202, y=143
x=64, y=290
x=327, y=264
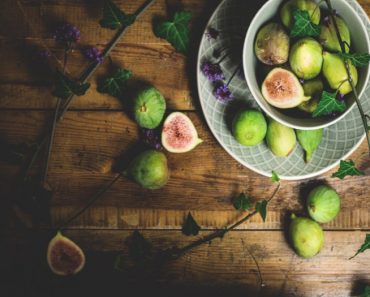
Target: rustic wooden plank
x=87, y=143
x=223, y=264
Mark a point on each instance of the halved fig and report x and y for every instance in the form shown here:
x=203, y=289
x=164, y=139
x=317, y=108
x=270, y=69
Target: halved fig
x=64, y=256
x=179, y=134
x=282, y=89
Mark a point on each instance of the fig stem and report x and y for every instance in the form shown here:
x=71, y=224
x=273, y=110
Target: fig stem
x=342, y=46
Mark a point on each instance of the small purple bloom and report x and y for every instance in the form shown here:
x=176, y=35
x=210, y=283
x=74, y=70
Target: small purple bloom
x=223, y=93
x=67, y=34
x=327, y=20
x=151, y=138
x=212, y=33
x=341, y=97
x=213, y=72
x=94, y=55
x=301, y=80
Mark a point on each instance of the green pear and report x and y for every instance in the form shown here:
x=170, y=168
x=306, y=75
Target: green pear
x=329, y=38
x=280, y=139
x=286, y=12
x=309, y=140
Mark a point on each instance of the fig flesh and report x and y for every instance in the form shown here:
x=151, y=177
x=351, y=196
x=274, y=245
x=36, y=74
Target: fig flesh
x=282, y=89
x=323, y=204
x=312, y=88
x=280, y=139
x=149, y=108
x=335, y=72
x=307, y=237
x=272, y=44
x=306, y=58
x=149, y=169
x=329, y=38
x=249, y=127
x=286, y=12
x=309, y=140
x=64, y=257
x=179, y=134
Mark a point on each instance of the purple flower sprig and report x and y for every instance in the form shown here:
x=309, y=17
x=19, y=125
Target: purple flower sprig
x=94, y=55
x=222, y=93
x=66, y=35
x=212, y=71
x=151, y=137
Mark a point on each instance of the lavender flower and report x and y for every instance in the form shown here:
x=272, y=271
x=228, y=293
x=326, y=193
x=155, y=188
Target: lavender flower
x=67, y=34
x=341, y=97
x=94, y=55
x=151, y=138
x=212, y=33
x=301, y=80
x=223, y=93
x=213, y=72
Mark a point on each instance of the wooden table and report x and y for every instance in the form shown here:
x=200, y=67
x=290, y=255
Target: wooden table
x=97, y=130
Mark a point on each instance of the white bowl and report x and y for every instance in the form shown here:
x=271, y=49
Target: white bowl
x=359, y=43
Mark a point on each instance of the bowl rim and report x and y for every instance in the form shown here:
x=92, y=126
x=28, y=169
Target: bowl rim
x=248, y=37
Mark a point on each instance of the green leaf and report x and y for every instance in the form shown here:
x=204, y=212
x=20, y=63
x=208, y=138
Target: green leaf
x=275, y=177
x=115, y=85
x=242, y=202
x=65, y=87
x=190, y=227
x=261, y=208
x=358, y=60
x=303, y=25
x=366, y=292
x=364, y=247
x=328, y=104
x=347, y=168
x=140, y=249
x=114, y=18
x=176, y=31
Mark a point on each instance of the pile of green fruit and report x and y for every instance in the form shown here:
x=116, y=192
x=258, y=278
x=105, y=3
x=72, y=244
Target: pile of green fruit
x=305, y=234
x=299, y=69
x=250, y=128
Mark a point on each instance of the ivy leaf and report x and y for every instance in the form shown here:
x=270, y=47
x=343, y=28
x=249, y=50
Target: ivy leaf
x=261, y=208
x=365, y=246
x=347, y=168
x=65, y=87
x=275, y=177
x=190, y=227
x=140, y=249
x=242, y=202
x=176, y=31
x=115, y=85
x=114, y=18
x=328, y=104
x=358, y=60
x=303, y=25
x=366, y=292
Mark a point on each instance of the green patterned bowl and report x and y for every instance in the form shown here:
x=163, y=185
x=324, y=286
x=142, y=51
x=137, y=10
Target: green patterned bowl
x=232, y=19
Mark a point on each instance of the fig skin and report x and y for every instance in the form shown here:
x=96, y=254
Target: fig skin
x=312, y=88
x=272, y=44
x=286, y=12
x=323, y=204
x=306, y=236
x=149, y=169
x=280, y=139
x=282, y=89
x=329, y=38
x=306, y=58
x=149, y=108
x=335, y=73
x=309, y=140
x=249, y=127
x=64, y=257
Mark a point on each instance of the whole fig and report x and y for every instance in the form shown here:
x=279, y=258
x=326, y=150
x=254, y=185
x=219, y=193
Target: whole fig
x=329, y=38
x=309, y=140
x=286, y=12
x=249, y=127
x=312, y=88
x=280, y=139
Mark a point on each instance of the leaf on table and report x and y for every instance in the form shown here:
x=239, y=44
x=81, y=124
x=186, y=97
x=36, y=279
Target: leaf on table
x=328, y=104
x=115, y=85
x=190, y=227
x=366, y=292
x=358, y=60
x=347, y=168
x=140, y=249
x=65, y=87
x=261, y=208
x=303, y=26
x=364, y=247
x=275, y=177
x=114, y=18
x=176, y=31
x=242, y=202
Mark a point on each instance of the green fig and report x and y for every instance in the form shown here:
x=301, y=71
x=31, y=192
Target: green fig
x=323, y=204
x=149, y=170
x=149, y=108
x=306, y=58
x=309, y=140
x=306, y=236
x=272, y=44
x=312, y=88
x=286, y=12
x=329, y=38
x=280, y=139
x=335, y=72
x=249, y=127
